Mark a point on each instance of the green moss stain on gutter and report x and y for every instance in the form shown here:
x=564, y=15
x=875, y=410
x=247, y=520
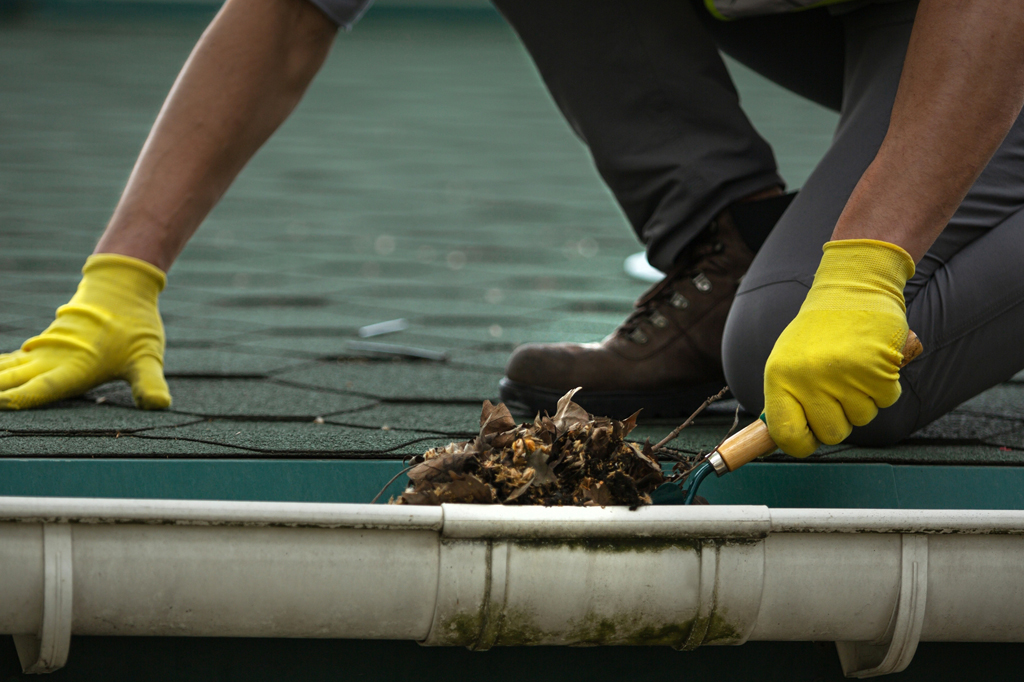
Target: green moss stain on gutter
x=637, y=545
x=519, y=628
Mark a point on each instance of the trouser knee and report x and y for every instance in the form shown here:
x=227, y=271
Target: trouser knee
x=755, y=321
x=892, y=424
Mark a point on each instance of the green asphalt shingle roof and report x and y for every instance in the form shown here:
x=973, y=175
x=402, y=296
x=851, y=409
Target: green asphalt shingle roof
x=426, y=176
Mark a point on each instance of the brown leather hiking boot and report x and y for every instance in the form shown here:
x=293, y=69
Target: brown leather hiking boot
x=666, y=358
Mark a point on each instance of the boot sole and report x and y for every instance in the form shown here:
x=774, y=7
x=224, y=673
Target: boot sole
x=675, y=402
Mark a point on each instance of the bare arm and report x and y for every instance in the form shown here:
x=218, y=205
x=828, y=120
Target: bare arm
x=244, y=77
x=961, y=89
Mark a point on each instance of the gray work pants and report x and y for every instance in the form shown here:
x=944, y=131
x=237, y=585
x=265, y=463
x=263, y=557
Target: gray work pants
x=643, y=85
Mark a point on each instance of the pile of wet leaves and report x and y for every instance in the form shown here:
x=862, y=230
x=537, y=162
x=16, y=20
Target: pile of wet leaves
x=571, y=458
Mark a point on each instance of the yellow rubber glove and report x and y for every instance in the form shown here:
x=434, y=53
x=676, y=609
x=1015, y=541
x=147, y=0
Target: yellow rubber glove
x=110, y=329
x=838, y=360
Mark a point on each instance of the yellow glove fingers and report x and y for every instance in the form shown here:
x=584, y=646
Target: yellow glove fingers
x=149, y=388
x=57, y=336
x=888, y=393
x=9, y=360
x=827, y=419
x=56, y=384
x=788, y=426
x=860, y=409
x=18, y=375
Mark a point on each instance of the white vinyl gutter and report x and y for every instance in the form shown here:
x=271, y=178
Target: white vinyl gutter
x=875, y=581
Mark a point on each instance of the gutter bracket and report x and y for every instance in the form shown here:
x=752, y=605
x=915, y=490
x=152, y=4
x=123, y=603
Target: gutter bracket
x=707, y=600
x=48, y=651
x=495, y=597
x=866, y=659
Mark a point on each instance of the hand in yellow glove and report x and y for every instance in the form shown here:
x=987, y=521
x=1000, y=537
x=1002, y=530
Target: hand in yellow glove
x=838, y=361
x=110, y=329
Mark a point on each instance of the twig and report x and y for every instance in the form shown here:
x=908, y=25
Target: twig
x=393, y=479
x=675, y=432
x=732, y=429
x=672, y=455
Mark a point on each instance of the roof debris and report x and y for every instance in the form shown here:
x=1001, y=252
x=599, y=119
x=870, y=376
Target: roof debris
x=571, y=458
x=387, y=327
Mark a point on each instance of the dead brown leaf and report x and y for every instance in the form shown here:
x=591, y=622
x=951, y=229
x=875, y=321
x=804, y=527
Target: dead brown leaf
x=538, y=461
x=569, y=414
x=630, y=423
x=518, y=492
x=437, y=468
x=466, y=488
x=597, y=493
x=495, y=419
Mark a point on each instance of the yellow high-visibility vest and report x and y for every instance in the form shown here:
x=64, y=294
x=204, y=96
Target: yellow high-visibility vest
x=734, y=9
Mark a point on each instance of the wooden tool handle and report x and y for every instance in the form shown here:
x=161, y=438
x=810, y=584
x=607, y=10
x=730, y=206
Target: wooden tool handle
x=754, y=441
x=911, y=349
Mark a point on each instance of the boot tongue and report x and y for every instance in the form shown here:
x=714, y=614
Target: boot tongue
x=685, y=263
x=655, y=291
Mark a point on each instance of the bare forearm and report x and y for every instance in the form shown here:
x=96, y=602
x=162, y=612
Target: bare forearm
x=242, y=80
x=961, y=89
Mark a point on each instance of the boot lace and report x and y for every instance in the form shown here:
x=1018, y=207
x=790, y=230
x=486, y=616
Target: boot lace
x=692, y=265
